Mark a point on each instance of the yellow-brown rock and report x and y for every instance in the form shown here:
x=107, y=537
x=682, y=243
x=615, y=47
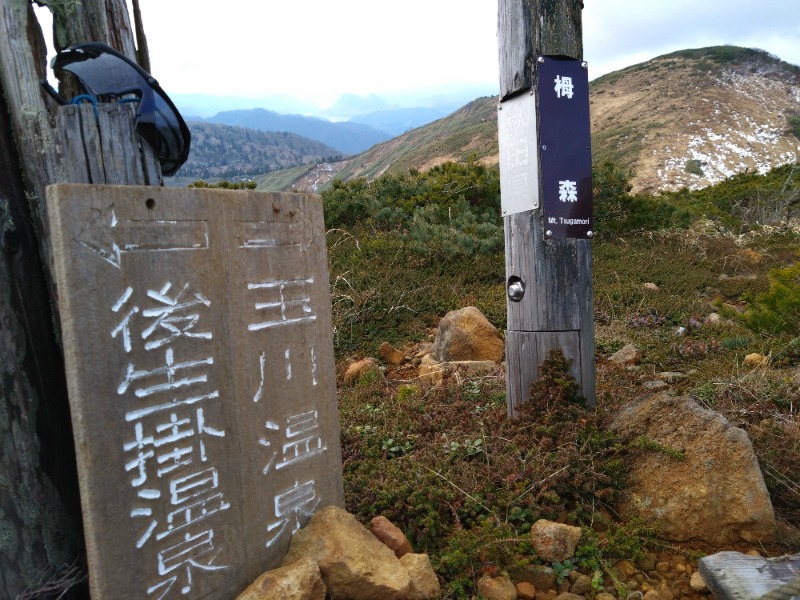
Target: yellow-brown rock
x=390, y=354
x=466, y=334
x=300, y=580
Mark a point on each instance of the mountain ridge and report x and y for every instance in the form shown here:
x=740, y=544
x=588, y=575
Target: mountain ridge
x=686, y=119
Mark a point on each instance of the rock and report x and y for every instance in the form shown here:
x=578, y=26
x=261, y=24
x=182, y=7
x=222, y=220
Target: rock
x=358, y=369
x=696, y=582
x=525, y=591
x=627, y=355
x=655, y=384
x=651, y=286
x=425, y=348
x=647, y=562
x=543, y=578
x=424, y=582
x=671, y=376
x=467, y=335
x=605, y=596
x=569, y=596
x=716, y=494
x=754, y=359
x=582, y=585
x=554, y=542
x=383, y=529
x=299, y=580
x=390, y=354
x=353, y=562
x=438, y=371
x=624, y=569
x=496, y=588
x=652, y=595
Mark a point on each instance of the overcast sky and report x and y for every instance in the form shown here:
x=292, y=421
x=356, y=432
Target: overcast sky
x=318, y=49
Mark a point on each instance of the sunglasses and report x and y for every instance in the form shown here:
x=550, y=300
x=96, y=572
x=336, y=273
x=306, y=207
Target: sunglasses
x=108, y=75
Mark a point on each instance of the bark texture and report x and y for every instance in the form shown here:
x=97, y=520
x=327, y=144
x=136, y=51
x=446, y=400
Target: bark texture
x=41, y=545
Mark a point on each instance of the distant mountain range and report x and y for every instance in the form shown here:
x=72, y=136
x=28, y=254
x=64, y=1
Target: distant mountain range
x=351, y=125
x=686, y=119
x=236, y=153
x=346, y=137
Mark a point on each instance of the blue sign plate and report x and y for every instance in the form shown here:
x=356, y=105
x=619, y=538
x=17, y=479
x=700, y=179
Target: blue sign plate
x=566, y=147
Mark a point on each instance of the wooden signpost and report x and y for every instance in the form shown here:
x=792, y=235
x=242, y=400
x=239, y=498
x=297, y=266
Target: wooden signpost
x=545, y=172
x=199, y=357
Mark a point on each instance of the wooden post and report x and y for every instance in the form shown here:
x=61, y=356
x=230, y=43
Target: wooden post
x=41, y=548
x=549, y=279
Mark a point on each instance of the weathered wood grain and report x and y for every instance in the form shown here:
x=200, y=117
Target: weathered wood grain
x=557, y=305
x=736, y=576
x=39, y=503
x=199, y=356
x=103, y=147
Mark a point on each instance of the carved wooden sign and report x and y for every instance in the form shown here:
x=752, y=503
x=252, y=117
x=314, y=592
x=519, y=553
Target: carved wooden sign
x=198, y=346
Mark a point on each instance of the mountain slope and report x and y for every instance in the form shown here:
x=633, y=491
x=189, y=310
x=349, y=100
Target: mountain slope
x=346, y=137
x=223, y=151
x=469, y=132
x=689, y=118
x=695, y=117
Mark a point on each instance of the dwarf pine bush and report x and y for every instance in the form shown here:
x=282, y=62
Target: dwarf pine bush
x=778, y=309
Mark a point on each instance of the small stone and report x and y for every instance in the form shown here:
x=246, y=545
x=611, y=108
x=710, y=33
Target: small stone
x=383, y=529
x=697, y=583
x=652, y=595
x=605, y=596
x=662, y=567
x=542, y=577
x=664, y=591
x=582, y=585
x=569, y=596
x=497, y=588
x=655, y=384
x=680, y=568
x=525, y=591
x=671, y=376
x=651, y=286
x=554, y=542
x=627, y=355
x=754, y=359
x=625, y=569
x=359, y=369
x=632, y=585
x=390, y=354
x=647, y=562
x=753, y=552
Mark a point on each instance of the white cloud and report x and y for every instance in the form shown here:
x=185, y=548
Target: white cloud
x=319, y=49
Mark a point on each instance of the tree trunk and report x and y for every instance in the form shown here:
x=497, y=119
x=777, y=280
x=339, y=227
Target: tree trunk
x=41, y=543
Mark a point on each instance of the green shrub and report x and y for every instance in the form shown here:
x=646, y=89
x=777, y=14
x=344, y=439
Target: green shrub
x=794, y=125
x=616, y=211
x=778, y=309
x=694, y=167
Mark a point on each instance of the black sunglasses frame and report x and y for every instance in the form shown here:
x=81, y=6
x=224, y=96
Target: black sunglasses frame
x=115, y=77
